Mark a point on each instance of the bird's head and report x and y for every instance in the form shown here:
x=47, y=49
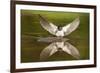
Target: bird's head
x=60, y=50
x=59, y=28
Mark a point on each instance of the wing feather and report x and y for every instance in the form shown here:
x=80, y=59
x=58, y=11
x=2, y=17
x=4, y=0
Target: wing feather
x=70, y=49
x=50, y=27
x=48, y=51
x=71, y=26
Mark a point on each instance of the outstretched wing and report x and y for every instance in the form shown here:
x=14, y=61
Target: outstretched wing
x=70, y=49
x=50, y=27
x=48, y=51
x=71, y=26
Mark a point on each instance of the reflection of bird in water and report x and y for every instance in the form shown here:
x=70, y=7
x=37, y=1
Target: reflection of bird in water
x=58, y=43
x=57, y=30
x=59, y=46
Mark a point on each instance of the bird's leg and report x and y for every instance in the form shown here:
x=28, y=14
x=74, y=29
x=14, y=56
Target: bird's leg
x=59, y=37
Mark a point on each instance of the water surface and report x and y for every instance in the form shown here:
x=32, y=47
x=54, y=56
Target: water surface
x=31, y=30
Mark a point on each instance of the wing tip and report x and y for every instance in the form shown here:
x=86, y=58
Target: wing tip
x=40, y=16
x=78, y=19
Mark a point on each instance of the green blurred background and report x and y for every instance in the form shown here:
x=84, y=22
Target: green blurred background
x=31, y=29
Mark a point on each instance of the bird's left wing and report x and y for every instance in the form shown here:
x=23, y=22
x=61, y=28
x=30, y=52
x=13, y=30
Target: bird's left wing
x=71, y=26
x=72, y=50
x=50, y=27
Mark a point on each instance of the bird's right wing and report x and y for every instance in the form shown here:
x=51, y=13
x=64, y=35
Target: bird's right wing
x=50, y=27
x=48, y=51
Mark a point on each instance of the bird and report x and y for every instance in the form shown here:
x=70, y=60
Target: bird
x=58, y=30
x=58, y=47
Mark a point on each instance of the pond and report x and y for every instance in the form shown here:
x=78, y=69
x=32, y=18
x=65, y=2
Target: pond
x=75, y=48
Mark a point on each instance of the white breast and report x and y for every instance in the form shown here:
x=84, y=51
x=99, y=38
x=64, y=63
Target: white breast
x=60, y=44
x=60, y=33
